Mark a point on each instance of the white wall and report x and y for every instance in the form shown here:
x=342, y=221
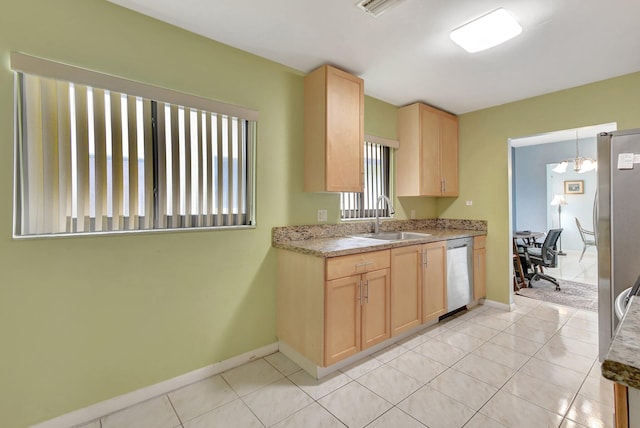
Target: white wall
x=580, y=206
x=530, y=184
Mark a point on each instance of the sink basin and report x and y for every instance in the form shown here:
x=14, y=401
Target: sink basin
x=392, y=236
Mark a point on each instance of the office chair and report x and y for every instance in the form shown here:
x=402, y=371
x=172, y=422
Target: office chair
x=545, y=256
x=588, y=238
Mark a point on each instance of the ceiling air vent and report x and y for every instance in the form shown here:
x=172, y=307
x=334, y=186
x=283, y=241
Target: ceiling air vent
x=376, y=8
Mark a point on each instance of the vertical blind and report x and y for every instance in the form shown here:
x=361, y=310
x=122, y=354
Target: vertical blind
x=376, y=183
x=96, y=160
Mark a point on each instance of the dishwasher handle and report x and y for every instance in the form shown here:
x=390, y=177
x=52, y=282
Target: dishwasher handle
x=459, y=246
x=454, y=244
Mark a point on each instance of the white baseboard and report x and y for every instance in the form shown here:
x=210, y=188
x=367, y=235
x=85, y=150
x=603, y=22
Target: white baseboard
x=320, y=372
x=129, y=399
x=499, y=305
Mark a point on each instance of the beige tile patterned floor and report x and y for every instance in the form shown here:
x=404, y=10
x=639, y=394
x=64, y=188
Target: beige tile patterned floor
x=534, y=367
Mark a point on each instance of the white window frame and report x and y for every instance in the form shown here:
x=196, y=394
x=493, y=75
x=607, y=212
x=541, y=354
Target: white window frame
x=52, y=198
x=362, y=205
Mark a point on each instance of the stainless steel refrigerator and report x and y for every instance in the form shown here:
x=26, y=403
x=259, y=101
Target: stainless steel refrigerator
x=617, y=223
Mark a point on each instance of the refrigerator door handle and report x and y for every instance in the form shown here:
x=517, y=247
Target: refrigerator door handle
x=595, y=217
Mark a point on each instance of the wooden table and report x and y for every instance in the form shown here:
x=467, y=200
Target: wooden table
x=528, y=237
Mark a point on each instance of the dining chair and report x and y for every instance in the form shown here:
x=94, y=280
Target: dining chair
x=588, y=238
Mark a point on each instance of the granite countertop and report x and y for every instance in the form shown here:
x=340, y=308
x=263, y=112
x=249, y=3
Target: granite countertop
x=345, y=245
x=622, y=362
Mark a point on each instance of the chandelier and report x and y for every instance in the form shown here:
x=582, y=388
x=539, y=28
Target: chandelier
x=581, y=164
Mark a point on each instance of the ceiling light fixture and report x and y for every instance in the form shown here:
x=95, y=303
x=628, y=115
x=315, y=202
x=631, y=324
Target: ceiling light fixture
x=376, y=8
x=580, y=164
x=487, y=31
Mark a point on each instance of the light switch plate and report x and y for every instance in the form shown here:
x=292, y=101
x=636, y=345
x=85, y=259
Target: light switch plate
x=322, y=215
x=469, y=203
x=413, y=214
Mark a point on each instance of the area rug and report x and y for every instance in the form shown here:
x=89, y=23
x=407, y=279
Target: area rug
x=574, y=294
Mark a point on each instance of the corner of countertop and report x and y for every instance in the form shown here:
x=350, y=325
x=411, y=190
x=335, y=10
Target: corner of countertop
x=622, y=362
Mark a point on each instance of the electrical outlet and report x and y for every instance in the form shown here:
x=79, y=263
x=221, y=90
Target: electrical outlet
x=322, y=215
x=413, y=214
x=469, y=203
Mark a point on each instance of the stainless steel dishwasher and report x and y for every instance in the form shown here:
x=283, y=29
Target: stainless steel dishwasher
x=459, y=273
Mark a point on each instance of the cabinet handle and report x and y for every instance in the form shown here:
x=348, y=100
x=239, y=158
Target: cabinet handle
x=360, y=292
x=425, y=259
x=443, y=185
x=363, y=264
x=366, y=292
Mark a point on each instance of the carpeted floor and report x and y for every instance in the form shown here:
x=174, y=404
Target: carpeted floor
x=574, y=294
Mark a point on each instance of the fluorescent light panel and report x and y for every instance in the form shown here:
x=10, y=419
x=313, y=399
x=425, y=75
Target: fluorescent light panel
x=487, y=31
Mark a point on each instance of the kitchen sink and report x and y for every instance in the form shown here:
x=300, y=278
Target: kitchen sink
x=392, y=236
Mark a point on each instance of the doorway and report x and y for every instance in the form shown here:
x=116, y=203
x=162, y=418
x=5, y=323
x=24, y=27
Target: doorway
x=535, y=181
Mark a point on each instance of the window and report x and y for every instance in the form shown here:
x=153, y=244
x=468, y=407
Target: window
x=354, y=205
x=90, y=159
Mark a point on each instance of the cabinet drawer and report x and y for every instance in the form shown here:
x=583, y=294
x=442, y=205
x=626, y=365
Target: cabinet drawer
x=479, y=242
x=339, y=267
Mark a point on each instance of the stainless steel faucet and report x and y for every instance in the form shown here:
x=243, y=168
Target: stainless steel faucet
x=376, y=228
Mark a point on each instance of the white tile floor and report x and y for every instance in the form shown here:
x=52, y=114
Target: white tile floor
x=570, y=269
x=534, y=367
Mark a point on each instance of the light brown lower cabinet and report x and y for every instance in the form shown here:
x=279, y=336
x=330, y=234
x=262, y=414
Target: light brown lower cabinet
x=357, y=314
x=330, y=309
x=434, y=280
x=621, y=403
x=406, y=288
x=418, y=285
x=479, y=267
x=343, y=315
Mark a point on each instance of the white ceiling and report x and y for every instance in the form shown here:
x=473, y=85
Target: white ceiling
x=405, y=55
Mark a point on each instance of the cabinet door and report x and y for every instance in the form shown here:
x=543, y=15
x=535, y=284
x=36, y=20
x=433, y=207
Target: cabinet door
x=342, y=318
x=430, y=184
x=449, y=155
x=479, y=273
x=434, y=280
x=376, y=308
x=333, y=131
x=406, y=289
x=479, y=267
x=345, y=132
x=623, y=408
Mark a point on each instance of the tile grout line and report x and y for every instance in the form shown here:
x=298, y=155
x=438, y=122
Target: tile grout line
x=175, y=411
x=563, y=416
x=451, y=367
x=459, y=321
x=414, y=392
x=578, y=392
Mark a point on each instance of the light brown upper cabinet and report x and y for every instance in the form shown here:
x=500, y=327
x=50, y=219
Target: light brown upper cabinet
x=427, y=160
x=333, y=131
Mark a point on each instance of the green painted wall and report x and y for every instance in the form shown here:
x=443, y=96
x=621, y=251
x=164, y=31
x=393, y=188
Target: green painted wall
x=484, y=173
x=85, y=319
x=89, y=318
